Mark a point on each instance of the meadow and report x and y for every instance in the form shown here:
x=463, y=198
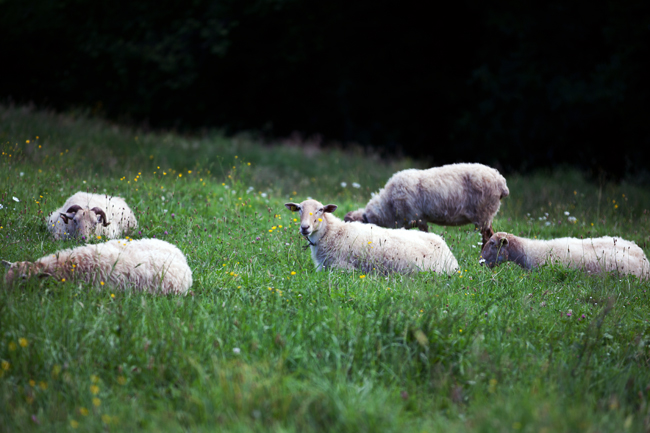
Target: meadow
x=265, y=343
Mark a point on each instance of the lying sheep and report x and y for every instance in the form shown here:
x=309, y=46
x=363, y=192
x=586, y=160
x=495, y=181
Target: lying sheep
x=335, y=244
x=450, y=195
x=593, y=255
x=149, y=265
x=86, y=214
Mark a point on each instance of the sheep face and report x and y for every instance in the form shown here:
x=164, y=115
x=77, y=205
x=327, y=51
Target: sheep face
x=496, y=250
x=83, y=222
x=356, y=215
x=18, y=271
x=311, y=215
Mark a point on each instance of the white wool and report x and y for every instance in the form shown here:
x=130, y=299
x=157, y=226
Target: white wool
x=150, y=265
x=367, y=247
x=84, y=222
x=451, y=195
x=594, y=255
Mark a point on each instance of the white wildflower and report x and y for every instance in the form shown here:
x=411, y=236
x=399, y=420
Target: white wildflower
x=481, y=261
x=572, y=219
x=343, y=184
x=236, y=350
x=164, y=210
x=264, y=195
x=1, y=206
x=356, y=185
x=162, y=198
x=566, y=212
x=547, y=223
x=22, y=174
x=16, y=200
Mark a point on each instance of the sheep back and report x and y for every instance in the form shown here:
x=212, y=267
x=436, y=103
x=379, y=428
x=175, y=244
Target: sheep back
x=450, y=195
x=150, y=265
x=371, y=248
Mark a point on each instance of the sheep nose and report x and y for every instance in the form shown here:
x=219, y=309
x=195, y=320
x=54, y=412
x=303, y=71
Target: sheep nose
x=304, y=228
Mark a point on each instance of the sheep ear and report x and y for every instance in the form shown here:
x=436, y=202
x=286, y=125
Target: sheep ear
x=292, y=207
x=504, y=242
x=65, y=218
x=7, y=264
x=330, y=208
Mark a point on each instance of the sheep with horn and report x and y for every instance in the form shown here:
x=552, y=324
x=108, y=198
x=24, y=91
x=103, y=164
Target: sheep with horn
x=86, y=214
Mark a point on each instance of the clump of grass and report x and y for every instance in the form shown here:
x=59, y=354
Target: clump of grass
x=265, y=342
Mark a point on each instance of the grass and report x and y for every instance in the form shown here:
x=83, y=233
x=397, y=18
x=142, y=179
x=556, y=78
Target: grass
x=266, y=343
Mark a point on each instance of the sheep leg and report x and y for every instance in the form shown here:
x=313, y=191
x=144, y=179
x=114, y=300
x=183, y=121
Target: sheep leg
x=423, y=226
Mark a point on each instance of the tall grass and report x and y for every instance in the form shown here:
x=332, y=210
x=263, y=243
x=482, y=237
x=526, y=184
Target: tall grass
x=266, y=343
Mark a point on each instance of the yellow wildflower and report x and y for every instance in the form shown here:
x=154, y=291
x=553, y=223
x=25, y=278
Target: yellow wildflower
x=83, y=411
x=96, y=402
x=74, y=424
x=23, y=342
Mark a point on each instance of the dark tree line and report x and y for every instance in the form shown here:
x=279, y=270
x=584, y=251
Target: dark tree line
x=524, y=84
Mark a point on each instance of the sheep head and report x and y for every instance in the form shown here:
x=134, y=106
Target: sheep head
x=356, y=215
x=84, y=221
x=496, y=250
x=311, y=215
x=18, y=271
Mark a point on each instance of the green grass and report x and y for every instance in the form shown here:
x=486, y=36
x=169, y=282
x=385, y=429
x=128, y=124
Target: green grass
x=257, y=347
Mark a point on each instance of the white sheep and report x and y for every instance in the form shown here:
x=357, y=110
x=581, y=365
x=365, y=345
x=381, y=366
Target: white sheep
x=86, y=214
x=451, y=195
x=335, y=244
x=150, y=265
x=594, y=255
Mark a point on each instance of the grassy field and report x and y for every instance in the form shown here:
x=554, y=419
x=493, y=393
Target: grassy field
x=264, y=343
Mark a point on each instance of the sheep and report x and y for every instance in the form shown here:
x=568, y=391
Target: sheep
x=85, y=214
x=450, y=195
x=367, y=247
x=150, y=265
x=593, y=255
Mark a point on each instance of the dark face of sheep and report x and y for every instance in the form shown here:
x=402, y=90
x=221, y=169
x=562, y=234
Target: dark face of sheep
x=311, y=215
x=356, y=215
x=19, y=271
x=83, y=222
x=495, y=251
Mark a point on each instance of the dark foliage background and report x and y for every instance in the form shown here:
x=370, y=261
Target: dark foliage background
x=517, y=84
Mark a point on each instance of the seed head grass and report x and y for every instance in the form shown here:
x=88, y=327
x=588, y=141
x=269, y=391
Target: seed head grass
x=263, y=341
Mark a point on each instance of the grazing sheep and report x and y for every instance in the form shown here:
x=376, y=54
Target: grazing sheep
x=593, y=255
x=451, y=195
x=86, y=214
x=148, y=265
x=335, y=244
